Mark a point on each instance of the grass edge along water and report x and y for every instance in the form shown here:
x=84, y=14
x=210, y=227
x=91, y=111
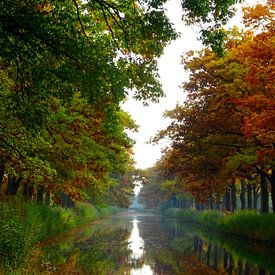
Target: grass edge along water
x=22, y=224
x=245, y=223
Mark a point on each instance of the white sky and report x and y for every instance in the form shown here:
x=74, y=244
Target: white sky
x=172, y=74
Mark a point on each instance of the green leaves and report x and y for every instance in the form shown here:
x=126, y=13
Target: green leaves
x=211, y=16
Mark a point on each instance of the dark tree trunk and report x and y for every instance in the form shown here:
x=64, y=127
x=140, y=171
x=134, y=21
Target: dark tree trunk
x=247, y=269
x=231, y=265
x=174, y=201
x=208, y=255
x=13, y=185
x=227, y=201
x=197, y=205
x=240, y=267
x=40, y=193
x=242, y=195
x=272, y=182
x=200, y=249
x=233, y=197
x=249, y=196
x=264, y=194
x=2, y=172
x=66, y=200
x=218, y=203
x=48, y=198
x=28, y=191
x=196, y=244
x=225, y=260
x=211, y=202
x=255, y=196
x=216, y=258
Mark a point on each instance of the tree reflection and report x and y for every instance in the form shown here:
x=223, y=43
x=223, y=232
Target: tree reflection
x=135, y=244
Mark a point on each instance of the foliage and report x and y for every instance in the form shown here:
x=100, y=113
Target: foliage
x=17, y=235
x=224, y=131
x=62, y=127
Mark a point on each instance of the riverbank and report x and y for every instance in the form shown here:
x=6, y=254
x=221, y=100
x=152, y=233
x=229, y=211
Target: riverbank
x=245, y=224
x=23, y=224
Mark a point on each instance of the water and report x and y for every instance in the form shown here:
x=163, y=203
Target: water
x=135, y=243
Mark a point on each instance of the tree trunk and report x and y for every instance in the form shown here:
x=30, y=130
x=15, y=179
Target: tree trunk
x=225, y=259
x=13, y=185
x=196, y=244
x=240, y=267
x=272, y=183
x=200, y=249
x=2, y=173
x=255, y=196
x=231, y=265
x=264, y=194
x=211, y=202
x=197, y=205
x=27, y=191
x=48, y=198
x=216, y=258
x=218, y=203
x=242, y=195
x=174, y=201
x=227, y=201
x=40, y=193
x=233, y=197
x=208, y=254
x=66, y=200
x=247, y=269
x=249, y=196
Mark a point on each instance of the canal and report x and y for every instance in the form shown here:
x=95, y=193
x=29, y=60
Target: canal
x=146, y=243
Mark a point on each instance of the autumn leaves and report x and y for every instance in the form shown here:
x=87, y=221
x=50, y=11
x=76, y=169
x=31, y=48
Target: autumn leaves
x=225, y=131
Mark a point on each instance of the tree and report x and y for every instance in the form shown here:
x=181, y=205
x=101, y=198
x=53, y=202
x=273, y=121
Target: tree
x=214, y=141
x=57, y=57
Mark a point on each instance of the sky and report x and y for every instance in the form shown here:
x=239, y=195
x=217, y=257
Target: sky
x=172, y=75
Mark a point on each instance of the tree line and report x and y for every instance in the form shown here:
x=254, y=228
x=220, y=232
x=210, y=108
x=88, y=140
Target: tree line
x=65, y=69
x=223, y=135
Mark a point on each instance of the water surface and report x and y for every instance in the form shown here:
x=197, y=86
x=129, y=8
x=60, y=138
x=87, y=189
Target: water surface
x=144, y=243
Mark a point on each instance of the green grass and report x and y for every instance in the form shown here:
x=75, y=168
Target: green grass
x=23, y=224
x=248, y=224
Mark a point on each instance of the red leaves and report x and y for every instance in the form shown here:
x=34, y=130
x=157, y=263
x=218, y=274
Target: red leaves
x=227, y=126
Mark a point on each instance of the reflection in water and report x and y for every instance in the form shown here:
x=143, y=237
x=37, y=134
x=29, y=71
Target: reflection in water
x=136, y=245
x=136, y=242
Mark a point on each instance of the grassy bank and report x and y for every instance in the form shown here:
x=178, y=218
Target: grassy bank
x=23, y=224
x=248, y=224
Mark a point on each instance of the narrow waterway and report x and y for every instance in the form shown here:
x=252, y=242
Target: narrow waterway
x=144, y=243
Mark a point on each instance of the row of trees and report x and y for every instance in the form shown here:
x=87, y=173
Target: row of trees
x=65, y=67
x=223, y=135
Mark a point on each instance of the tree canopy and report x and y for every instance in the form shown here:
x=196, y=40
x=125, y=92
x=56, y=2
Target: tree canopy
x=65, y=67
x=224, y=131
